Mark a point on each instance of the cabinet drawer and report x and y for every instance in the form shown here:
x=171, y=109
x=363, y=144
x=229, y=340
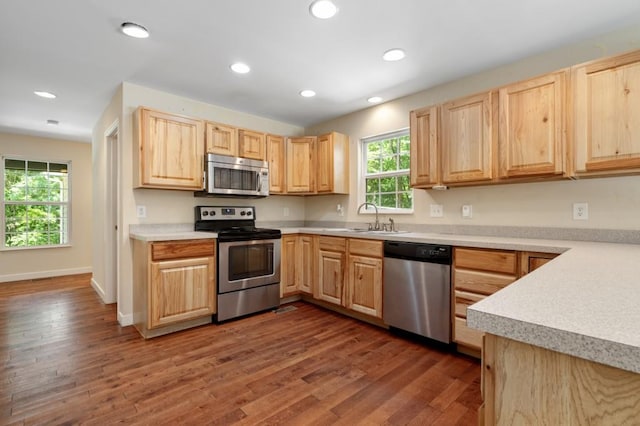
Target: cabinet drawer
x=487, y=260
x=480, y=282
x=465, y=335
x=365, y=247
x=465, y=299
x=181, y=249
x=332, y=243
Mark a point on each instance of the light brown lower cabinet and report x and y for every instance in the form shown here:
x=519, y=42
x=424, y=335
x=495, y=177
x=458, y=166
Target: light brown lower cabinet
x=297, y=264
x=477, y=273
x=174, y=285
x=349, y=274
x=530, y=385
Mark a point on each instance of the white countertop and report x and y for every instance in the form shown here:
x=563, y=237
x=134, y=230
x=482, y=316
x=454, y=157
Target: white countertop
x=584, y=303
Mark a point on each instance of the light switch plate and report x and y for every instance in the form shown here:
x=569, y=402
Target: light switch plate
x=437, y=210
x=141, y=211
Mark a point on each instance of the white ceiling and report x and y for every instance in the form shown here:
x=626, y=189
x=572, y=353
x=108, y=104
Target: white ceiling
x=74, y=49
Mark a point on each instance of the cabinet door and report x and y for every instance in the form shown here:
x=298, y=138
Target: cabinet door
x=301, y=165
x=251, y=144
x=424, y=147
x=332, y=164
x=306, y=250
x=276, y=159
x=330, y=277
x=530, y=261
x=532, y=123
x=606, y=101
x=365, y=285
x=289, y=262
x=468, y=140
x=181, y=290
x=171, y=150
x=222, y=139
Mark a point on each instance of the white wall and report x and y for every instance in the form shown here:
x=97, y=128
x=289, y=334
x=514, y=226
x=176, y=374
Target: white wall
x=46, y=262
x=170, y=206
x=614, y=203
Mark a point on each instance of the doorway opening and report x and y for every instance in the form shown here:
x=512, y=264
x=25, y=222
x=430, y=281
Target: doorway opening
x=112, y=215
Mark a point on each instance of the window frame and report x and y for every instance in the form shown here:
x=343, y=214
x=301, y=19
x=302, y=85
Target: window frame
x=4, y=203
x=362, y=186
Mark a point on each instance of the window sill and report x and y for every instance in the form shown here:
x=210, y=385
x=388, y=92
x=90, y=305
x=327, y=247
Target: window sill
x=4, y=249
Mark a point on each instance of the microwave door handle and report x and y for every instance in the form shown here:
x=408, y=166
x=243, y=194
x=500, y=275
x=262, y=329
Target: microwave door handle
x=258, y=182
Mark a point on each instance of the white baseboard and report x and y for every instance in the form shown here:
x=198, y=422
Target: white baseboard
x=98, y=289
x=45, y=274
x=125, y=320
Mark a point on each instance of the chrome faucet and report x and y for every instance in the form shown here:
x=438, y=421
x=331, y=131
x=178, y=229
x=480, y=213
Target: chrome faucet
x=375, y=227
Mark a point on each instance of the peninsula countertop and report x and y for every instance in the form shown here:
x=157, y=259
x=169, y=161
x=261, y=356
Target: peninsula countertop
x=585, y=302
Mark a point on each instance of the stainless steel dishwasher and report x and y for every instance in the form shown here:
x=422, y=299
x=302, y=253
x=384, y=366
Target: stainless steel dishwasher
x=417, y=288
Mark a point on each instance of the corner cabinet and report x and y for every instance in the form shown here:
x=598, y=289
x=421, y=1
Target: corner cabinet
x=174, y=285
x=332, y=164
x=170, y=150
x=424, y=168
x=606, y=123
x=469, y=137
x=532, y=124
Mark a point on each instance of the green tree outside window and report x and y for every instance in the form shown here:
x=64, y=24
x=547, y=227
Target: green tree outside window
x=35, y=203
x=386, y=171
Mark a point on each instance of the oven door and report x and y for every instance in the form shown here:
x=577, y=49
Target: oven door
x=248, y=264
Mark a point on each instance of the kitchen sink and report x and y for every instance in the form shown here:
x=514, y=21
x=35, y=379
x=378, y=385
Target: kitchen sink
x=357, y=231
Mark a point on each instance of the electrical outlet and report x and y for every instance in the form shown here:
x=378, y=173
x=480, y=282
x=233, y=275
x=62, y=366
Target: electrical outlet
x=340, y=209
x=467, y=211
x=437, y=210
x=141, y=211
x=285, y=211
x=580, y=211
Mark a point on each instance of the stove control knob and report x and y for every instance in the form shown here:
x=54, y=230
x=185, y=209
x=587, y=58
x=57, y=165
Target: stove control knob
x=205, y=213
x=242, y=213
x=213, y=212
x=249, y=213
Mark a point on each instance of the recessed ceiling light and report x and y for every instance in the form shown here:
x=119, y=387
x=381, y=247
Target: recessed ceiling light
x=393, y=55
x=44, y=94
x=53, y=122
x=307, y=93
x=134, y=30
x=240, y=68
x=374, y=99
x=323, y=9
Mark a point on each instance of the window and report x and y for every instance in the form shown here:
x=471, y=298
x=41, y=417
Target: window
x=35, y=203
x=386, y=171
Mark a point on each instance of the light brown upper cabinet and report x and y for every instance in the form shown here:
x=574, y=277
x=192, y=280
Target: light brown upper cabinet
x=170, y=150
x=332, y=163
x=301, y=165
x=532, y=127
x=424, y=147
x=606, y=118
x=276, y=159
x=251, y=144
x=222, y=139
x=468, y=140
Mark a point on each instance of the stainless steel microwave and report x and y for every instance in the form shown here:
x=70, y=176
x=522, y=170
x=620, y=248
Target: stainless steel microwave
x=234, y=176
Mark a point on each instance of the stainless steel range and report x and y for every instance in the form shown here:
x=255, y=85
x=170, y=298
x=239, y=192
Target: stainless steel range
x=248, y=267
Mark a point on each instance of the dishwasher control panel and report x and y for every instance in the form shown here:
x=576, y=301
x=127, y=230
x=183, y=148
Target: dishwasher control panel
x=421, y=252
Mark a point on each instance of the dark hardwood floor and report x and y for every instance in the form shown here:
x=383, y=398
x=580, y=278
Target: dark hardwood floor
x=65, y=360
